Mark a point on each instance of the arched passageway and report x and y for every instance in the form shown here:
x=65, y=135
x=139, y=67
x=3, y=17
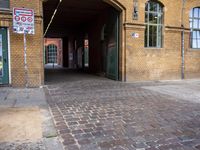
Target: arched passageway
x=90, y=32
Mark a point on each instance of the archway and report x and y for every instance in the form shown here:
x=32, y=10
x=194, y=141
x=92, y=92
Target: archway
x=98, y=23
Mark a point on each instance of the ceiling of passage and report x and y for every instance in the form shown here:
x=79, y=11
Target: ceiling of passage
x=71, y=16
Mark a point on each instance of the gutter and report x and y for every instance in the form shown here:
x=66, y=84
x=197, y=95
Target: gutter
x=183, y=42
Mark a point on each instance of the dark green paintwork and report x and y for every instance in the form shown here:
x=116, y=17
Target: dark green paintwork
x=5, y=78
x=113, y=46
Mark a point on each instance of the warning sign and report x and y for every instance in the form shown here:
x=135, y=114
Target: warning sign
x=23, y=20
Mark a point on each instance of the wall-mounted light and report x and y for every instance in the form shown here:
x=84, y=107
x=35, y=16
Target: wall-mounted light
x=135, y=9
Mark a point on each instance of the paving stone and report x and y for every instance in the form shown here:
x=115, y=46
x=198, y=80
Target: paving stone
x=197, y=146
x=84, y=141
x=72, y=147
x=68, y=142
x=104, y=114
x=77, y=131
x=105, y=145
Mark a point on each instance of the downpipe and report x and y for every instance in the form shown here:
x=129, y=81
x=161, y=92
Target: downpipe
x=183, y=43
x=183, y=53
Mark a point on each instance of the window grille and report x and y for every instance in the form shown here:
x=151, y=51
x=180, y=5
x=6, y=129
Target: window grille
x=52, y=53
x=195, y=28
x=154, y=24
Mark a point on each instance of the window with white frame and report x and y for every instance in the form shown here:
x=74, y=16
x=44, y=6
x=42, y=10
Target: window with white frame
x=4, y=4
x=154, y=24
x=195, y=28
x=52, y=53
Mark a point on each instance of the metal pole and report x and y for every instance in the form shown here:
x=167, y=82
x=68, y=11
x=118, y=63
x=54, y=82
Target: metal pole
x=183, y=55
x=25, y=61
x=183, y=42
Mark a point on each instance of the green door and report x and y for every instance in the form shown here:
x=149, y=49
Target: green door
x=4, y=79
x=113, y=46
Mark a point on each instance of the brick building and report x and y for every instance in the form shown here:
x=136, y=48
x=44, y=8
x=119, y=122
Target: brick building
x=129, y=40
x=13, y=47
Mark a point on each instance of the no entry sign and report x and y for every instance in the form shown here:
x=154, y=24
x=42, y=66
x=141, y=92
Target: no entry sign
x=23, y=21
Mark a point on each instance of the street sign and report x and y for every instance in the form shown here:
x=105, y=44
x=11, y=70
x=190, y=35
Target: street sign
x=23, y=21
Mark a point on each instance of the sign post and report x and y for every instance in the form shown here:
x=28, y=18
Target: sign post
x=25, y=61
x=23, y=23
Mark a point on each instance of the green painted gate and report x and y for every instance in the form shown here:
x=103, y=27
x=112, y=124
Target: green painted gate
x=112, y=70
x=4, y=77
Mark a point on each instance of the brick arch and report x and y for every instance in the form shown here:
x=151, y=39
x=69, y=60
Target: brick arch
x=188, y=8
x=193, y=5
x=116, y=4
x=193, y=8
x=157, y=1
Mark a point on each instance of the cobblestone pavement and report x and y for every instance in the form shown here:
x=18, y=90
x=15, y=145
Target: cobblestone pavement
x=100, y=114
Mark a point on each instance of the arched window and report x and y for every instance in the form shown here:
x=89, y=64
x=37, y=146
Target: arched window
x=52, y=53
x=195, y=28
x=154, y=24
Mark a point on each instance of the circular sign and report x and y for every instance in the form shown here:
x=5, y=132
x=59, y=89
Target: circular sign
x=23, y=19
x=30, y=19
x=17, y=18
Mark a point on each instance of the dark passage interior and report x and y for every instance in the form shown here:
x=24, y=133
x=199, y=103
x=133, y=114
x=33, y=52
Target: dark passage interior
x=89, y=31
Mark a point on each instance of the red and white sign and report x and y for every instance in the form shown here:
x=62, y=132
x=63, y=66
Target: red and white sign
x=23, y=21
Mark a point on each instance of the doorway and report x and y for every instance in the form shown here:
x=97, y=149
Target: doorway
x=4, y=76
x=90, y=33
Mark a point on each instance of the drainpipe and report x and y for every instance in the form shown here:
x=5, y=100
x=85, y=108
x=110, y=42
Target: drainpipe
x=183, y=42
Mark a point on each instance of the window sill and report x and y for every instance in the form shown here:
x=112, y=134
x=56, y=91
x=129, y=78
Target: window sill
x=153, y=48
x=5, y=10
x=194, y=49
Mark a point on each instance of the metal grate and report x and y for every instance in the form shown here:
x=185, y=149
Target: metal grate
x=52, y=53
x=195, y=28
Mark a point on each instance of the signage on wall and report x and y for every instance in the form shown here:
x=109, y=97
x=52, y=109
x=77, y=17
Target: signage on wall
x=23, y=21
x=135, y=35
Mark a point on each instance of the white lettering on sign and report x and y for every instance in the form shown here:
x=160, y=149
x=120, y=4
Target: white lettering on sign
x=23, y=21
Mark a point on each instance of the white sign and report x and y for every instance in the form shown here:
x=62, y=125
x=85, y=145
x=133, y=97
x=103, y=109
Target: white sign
x=23, y=21
x=70, y=56
x=135, y=35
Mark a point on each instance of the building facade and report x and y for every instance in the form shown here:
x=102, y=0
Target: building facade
x=157, y=40
x=160, y=56
x=13, y=46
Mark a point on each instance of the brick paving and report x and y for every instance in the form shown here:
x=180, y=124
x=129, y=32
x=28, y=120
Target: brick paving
x=100, y=114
